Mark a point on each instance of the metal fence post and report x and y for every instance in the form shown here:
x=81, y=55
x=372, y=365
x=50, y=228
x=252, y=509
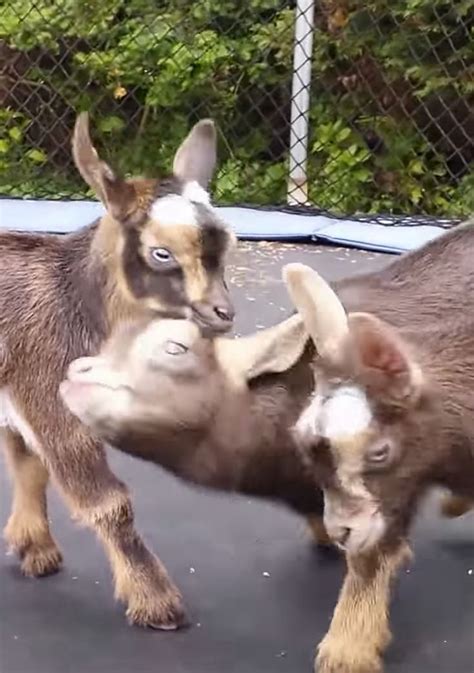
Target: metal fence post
x=297, y=192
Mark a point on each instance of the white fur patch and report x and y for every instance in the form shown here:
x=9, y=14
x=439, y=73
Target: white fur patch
x=172, y=210
x=194, y=192
x=346, y=413
x=11, y=419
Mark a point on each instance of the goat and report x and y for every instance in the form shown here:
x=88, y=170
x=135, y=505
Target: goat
x=392, y=415
x=215, y=412
x=159, y=250
x=222, y=412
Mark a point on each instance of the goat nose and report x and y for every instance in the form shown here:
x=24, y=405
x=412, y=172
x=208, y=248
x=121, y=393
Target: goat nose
x=341, y=535
x=225, y=313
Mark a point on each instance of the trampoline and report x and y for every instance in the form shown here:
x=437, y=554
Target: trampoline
x=259, y=595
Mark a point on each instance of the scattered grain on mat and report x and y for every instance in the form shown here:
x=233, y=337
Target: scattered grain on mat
x=470, y=571
x=266, y=574
x=192, y=570
x=74, y=578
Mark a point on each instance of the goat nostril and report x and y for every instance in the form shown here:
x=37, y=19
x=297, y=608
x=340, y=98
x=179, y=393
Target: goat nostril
x=344, y=534
x=222, y=313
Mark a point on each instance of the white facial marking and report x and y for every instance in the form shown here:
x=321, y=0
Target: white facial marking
x=194, y=192
x=344, y=414
x=172, y=210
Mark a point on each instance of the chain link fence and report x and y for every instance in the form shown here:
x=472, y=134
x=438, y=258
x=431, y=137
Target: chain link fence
x=369, y=109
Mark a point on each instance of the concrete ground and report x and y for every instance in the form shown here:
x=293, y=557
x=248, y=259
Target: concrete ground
x=259, y=595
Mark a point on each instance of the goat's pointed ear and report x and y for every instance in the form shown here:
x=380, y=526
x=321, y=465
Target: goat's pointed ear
x=196, y=157
x=270, y=351
x=319, y=307
x=383, y=359
x=117, y=195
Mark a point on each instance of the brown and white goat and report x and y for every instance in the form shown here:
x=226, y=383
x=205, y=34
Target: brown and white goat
x=159, y=250
x=392, y=416
x=221, y=413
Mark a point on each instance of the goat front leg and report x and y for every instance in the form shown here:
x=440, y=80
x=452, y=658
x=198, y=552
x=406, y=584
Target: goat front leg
x=27, y=531
x=359, y=631
x=101, y=501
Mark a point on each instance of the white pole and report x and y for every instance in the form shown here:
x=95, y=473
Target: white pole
x=300, y=103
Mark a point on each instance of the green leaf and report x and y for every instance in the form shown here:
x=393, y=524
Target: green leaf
x=416, y=167
x=15, y=133
x=37, y=156
x=111, y=124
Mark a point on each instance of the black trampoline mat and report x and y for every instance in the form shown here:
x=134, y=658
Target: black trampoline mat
x=258, y=593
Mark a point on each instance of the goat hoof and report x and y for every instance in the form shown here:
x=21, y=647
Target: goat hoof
x=40, y=562
x=167, y=614
x=340, y=658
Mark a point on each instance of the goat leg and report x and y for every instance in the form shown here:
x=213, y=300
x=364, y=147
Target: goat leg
x=359, y=631
x=101, y=501
x=27, y=532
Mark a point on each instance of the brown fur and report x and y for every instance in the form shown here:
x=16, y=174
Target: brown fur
x=59, y=298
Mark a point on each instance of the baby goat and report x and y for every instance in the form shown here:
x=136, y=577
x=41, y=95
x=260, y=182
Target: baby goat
x=216, y=412
x=392, y=415
x=159, y=249
x=221, y=413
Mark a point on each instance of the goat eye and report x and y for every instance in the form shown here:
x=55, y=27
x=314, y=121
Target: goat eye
x=175, y=348
x=161, y=255
x=379, y=454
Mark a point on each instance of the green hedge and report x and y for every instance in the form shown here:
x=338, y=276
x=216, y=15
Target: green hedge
x=148, y=68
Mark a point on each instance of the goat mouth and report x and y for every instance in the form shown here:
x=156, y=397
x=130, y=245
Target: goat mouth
x=362, y=541
x=210, y=327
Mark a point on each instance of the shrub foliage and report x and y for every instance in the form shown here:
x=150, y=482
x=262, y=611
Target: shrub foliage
x=392, y=122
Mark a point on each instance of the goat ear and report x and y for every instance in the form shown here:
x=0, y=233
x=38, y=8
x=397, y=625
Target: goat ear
x=196, y=157
x=383, y=359
x=270, y=351
x=319, y=307
x=117, y=195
